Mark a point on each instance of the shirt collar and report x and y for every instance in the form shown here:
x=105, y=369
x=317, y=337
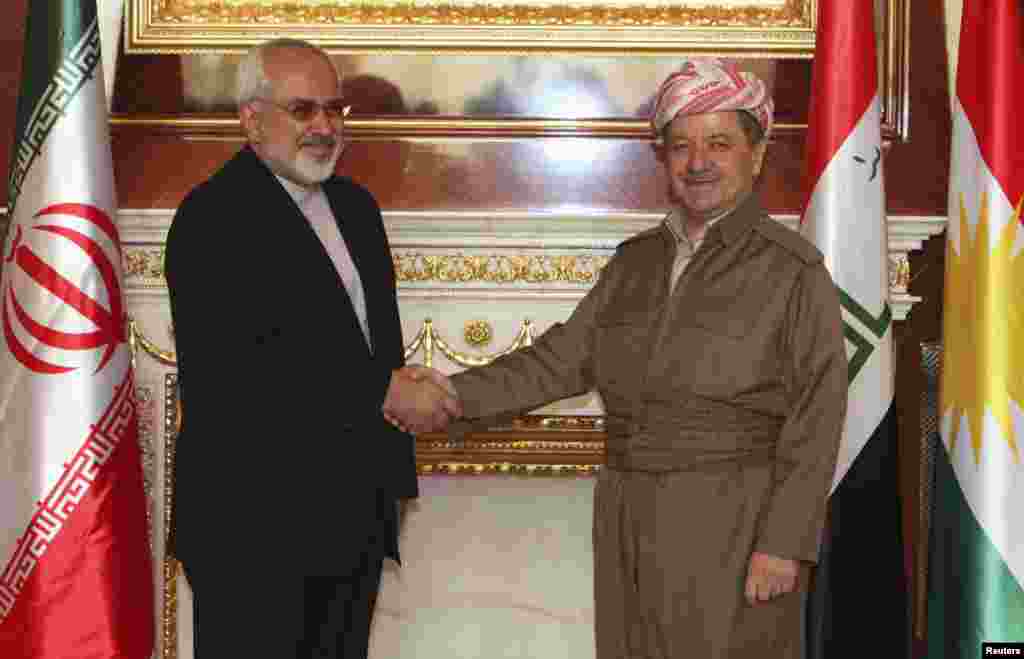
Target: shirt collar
x=301, y=194
x=727, y=227
x=674, y=222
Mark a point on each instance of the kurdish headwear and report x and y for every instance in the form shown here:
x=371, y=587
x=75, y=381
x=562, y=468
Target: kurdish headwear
x=711, y=85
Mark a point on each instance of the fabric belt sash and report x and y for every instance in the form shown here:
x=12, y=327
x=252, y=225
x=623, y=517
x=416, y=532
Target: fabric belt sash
x=663, y=447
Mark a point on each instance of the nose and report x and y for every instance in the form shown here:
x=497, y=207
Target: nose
x=698, y=161
x=320, y=124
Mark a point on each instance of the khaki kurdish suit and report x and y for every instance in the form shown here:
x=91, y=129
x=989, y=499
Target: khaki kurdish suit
x=725, y=406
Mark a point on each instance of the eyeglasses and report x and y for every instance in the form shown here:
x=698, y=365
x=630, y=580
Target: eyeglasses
x=303, y=110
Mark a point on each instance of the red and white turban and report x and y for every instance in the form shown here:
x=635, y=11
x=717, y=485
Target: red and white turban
x=711, y=85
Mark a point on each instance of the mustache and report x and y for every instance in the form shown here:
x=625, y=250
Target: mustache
x=319, y=140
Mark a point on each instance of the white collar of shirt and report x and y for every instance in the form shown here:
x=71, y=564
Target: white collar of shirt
x=301, y=194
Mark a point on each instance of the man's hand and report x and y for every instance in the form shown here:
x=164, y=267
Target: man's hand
x=418, y=372
x=769, y=576
x=416, y=403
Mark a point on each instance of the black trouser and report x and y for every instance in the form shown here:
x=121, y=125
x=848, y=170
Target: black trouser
x=258, y=614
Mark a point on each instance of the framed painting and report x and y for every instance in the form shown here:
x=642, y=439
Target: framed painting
x=413, y=47
x=778, y=27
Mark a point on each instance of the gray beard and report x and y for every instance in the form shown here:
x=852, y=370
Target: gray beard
x=312, y=172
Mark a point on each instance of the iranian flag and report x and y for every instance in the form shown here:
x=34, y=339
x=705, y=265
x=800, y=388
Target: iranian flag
x=861, y=561
x=75, y=567
x=976, y=567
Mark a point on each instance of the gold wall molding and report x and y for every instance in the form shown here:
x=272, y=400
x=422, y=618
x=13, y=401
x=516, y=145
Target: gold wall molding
x=518, y=251
x=428, y=341
x=526, y=447
x=497, y=268
x=170, y=565
x=144, y=266
x=629, y=27
x=227, y=128
x=137, y=339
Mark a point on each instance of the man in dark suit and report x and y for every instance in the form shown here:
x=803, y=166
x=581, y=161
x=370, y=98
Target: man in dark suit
x=287, y=333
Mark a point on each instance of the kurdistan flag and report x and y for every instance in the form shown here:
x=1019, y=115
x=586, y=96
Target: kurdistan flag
x=845, y=217
x=976, y=567
x=75, y=568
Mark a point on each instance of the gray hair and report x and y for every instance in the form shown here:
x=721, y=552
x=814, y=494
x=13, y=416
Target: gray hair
x=252, y=77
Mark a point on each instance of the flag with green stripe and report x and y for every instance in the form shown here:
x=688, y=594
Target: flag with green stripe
x=861, y=558
x=76, y=577
x=976, y=566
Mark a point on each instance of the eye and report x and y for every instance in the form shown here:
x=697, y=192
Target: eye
x=302, y=110
x=336, y=109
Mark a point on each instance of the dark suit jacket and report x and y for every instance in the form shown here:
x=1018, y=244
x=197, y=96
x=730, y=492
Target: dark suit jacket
x=284, y=457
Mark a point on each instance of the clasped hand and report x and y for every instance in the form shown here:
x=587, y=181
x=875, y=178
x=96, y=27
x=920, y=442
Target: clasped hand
x=769, y=577
x=421, y=399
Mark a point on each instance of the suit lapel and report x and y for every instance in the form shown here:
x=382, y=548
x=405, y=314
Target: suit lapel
x=352, y=233
x=299, y=242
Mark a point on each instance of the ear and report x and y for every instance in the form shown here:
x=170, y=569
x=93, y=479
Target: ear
x=759, y=151
x=251, y=122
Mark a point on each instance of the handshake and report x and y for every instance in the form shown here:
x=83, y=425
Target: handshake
x=421, y=399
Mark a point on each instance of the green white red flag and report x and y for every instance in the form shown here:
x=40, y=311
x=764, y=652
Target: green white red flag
x=76, y=577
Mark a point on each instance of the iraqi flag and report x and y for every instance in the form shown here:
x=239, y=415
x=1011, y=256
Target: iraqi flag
x=75, y=567
x=976, y=563
x=861, y=561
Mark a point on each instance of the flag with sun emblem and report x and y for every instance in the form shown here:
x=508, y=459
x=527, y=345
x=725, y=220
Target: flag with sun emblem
x=845, y=217
x=75, y=572
x=976, y=567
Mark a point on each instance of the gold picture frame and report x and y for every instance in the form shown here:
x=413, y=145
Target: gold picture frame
x=752, y=30
x=774, y=27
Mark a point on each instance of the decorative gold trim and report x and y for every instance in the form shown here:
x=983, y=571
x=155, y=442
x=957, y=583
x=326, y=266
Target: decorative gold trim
x=899, y=273
x=227, y=128
x=529, y=446
x=137, y=338
x=505, y=469
x=783, y=27
x=497, y=268
x=429, y=340
x=169, y=611
x=560, y=422
x=478, y=333
x=145, y=263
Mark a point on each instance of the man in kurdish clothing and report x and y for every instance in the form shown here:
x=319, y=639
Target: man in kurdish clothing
x=287, y=333
x=715, y=342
